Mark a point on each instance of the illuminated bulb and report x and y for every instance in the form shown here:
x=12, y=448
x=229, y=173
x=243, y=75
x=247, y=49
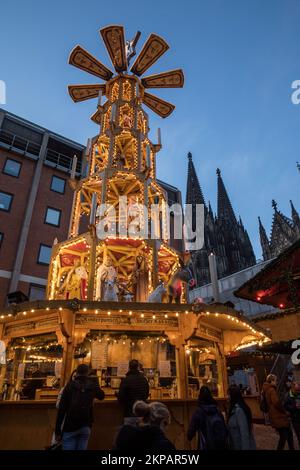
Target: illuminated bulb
x=84, y=309
x=60, y=308
x=130, y=313
x=142, y=342
x=24, y=313
x=47, y=308
x=207, y=313
x=153, y=316
x=108, y=313
x=120, y=310
x=9, y=314
x=96, y=311
x=217, y=314
x=32, y=310
x=142, y=315
x=177, y=314
x=2, y=316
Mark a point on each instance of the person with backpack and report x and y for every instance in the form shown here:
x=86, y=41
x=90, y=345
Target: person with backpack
x=208, y=422
x=240, y=428
x=132, y=388
x=75, y=411
x=278, y=417
x=149, y=435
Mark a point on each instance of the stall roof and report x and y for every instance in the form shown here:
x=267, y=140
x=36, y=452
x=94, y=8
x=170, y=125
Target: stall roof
x=278, y=284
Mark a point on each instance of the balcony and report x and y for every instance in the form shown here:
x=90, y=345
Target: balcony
x=61, y=161
x=18, y=144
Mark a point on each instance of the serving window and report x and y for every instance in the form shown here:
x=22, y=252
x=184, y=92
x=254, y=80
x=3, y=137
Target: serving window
x=109, y=352
x=33, y=368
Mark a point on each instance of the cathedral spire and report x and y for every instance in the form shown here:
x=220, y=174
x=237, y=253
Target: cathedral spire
x=225, y=210
x=194, y=193
x=264, y=241
x=282, y=232
x=295, y=216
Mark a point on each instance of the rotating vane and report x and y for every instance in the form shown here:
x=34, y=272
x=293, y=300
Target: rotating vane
x=120, y=53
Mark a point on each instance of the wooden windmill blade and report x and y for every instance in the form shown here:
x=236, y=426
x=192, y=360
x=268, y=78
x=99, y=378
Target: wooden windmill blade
x=152, y=50
x=170, y=79
x=159, y=106
x=85, y=92
x=96, y=117
x=114, y=40
x=82, y=59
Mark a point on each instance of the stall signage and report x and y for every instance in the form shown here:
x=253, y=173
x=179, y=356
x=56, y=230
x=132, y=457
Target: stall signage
x=164, y=368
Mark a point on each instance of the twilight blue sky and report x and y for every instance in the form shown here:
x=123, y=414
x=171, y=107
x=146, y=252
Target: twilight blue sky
x=234, y=112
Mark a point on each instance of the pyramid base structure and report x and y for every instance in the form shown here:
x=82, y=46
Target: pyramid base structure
x=180, y=346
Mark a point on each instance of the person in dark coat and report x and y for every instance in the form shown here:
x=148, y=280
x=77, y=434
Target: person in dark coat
x=278, y=417
x=132, y=388
x=149, y=436
x=75, y=411
x=207, y=409
x=240, y=428
x=292, y=406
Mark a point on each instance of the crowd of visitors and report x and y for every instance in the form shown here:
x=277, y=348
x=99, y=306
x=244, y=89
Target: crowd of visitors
x=144, y=425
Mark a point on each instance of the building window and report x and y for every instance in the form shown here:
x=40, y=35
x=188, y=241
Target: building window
x=44, y=254
x=37, y=292
x=58, y=184
x=52, y=216
x=1, y=238
x=12, y=168
x=5, y=201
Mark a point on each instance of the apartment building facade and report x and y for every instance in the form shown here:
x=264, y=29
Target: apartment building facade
x=35, y=201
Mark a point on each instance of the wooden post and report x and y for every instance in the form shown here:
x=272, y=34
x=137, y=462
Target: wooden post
x=67, y=340
x=182, y=372
x=92, y=264
x=222, y=369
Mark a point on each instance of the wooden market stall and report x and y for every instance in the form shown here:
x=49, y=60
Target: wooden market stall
x=116, y=287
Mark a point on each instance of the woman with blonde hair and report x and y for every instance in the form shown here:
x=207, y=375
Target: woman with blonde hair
x=149, y=435
x=279, y=419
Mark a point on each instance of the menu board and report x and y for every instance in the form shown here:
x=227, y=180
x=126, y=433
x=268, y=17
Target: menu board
x=98, y=355
x=21, y=371
x=164, y=368
x=122, y=369
x=57, y=369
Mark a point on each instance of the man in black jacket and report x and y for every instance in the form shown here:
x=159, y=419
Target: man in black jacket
x=75, y=412
x=132, y=388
